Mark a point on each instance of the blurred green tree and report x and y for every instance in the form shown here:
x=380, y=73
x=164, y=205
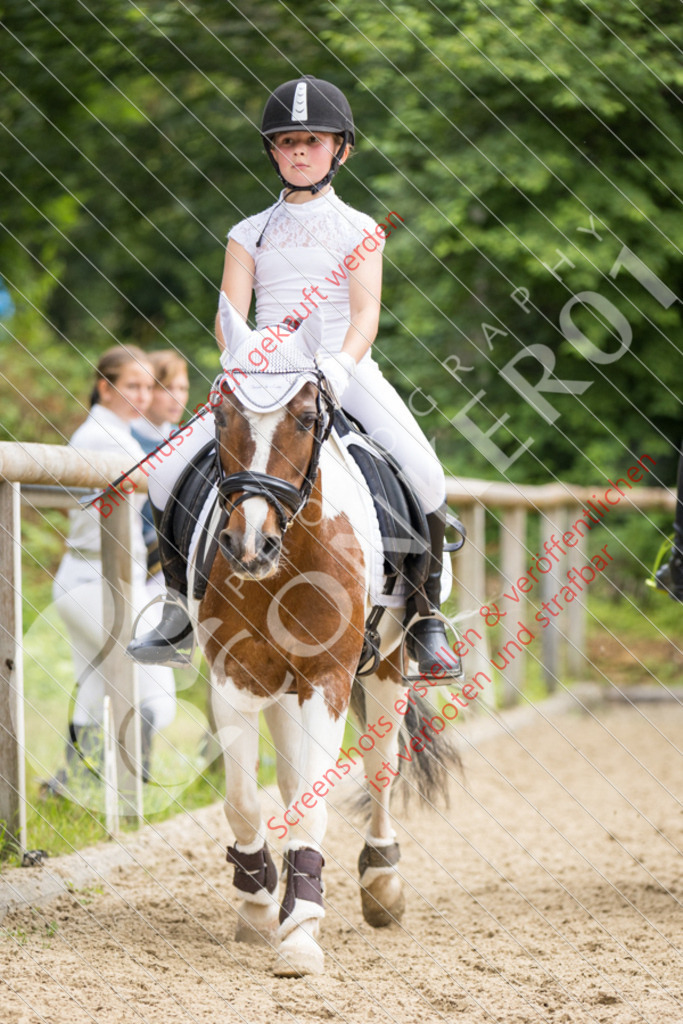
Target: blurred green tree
x=510, y=136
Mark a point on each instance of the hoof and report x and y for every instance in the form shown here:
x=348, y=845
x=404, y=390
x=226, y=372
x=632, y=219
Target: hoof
x=257, y=925
x=299, y=965
x=299, y=954
x=246, y=932
x=382, y=901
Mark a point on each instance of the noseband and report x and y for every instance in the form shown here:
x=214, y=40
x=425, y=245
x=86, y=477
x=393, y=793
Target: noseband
x=286, y=499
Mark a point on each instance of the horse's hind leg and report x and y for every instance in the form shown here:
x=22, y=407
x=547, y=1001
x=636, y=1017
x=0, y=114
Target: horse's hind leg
x=255, y=878
x=381, y=888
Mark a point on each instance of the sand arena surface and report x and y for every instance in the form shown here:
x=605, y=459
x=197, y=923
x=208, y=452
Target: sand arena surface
x=551, y=890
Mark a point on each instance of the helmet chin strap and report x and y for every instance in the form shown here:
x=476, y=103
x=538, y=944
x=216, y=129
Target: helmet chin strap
x=313, y=189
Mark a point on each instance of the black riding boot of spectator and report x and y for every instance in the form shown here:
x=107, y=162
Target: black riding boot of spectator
x=83, y=761
x=670, y=576
x=146, y=734
x=427, y=638
x=172, y=641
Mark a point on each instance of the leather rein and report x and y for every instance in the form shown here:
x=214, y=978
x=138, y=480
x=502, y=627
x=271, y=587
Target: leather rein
x=286, y=499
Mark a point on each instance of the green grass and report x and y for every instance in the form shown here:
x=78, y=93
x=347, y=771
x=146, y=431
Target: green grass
x=647, y=615
x=637, y=639
x=187, y=770
x=634, y=636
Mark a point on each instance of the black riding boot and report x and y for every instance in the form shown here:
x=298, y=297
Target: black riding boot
x=83, y=762
x=146, y=734
x=427, y=637
x=171, y=642
x=670, y=576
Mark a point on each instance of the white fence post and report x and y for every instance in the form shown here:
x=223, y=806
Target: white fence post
x=111, y=790
x=471, y=583
x=12, y=765
x=513, y=566
x=577, y=614
x=121, y=675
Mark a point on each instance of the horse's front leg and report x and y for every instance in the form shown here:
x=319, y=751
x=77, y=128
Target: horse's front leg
x=255, y=878
x=302, y=904
x=283, y=718
x=381, y=887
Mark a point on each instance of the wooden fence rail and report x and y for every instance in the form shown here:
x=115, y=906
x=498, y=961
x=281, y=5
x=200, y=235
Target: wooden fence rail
x=47, y=475
x=54, y=476
x=508, y=508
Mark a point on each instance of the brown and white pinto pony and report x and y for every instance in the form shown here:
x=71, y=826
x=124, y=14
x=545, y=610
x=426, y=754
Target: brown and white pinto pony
x=287, y=642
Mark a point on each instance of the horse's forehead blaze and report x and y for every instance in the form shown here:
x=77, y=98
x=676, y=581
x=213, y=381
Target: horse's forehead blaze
x=262, y=430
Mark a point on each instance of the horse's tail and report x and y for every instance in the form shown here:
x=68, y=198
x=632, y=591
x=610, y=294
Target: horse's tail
x=426, y=772
x=429, y=772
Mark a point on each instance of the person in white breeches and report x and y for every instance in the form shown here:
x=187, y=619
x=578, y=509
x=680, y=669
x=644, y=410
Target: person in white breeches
x=121, y=394
x=308, y=251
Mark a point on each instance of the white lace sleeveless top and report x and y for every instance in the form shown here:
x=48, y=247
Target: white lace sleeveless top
x=302, y=248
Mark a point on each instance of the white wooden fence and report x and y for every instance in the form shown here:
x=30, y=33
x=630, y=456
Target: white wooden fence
x=50, y=476
x=510, y=506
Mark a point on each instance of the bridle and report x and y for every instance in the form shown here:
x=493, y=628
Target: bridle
x=286, y=499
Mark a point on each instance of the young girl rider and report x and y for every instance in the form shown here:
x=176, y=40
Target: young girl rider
x=283, y=255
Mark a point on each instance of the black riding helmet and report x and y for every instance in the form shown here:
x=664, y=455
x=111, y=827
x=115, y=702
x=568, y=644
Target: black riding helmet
x=312, y=105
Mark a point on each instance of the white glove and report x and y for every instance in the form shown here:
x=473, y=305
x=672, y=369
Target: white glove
x=338, y=369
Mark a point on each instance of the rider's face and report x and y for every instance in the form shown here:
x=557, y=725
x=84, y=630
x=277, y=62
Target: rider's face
x=304, y=158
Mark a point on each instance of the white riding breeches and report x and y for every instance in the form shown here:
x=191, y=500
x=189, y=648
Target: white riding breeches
x=371, y=399
x=78, y=595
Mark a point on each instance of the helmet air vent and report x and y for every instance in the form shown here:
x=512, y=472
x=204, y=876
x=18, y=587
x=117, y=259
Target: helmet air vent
x=300, y=104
